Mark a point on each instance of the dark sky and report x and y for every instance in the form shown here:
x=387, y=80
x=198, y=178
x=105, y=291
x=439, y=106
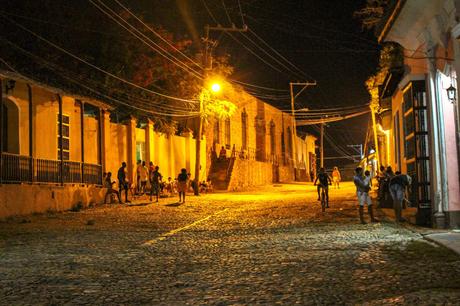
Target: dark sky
x=320, y=37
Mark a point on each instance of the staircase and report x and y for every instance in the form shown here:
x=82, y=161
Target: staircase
x=220, y=172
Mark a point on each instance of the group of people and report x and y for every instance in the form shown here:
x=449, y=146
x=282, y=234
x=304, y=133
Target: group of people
x=393, y=183
x=146, y=176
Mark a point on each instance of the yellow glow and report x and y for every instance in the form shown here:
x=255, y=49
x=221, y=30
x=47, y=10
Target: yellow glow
x=215, y=87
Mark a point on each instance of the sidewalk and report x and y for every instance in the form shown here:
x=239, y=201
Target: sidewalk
x=447, y=238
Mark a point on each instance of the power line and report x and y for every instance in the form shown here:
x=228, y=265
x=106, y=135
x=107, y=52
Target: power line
x=279, y=54
x=82, y=79
x=92, y=65
x=157, y=34
x=163, y=52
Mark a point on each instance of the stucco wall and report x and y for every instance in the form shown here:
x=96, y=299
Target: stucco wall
x=28, y=199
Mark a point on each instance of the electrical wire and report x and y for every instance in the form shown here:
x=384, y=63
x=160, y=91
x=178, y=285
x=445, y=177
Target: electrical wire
x=226, y=12
x=105, y=96
x=92, y=65
x=82, y=79
x=241, y=13
x=157, y=34
x=164, y=53
x=270, y=56
x=279, y=54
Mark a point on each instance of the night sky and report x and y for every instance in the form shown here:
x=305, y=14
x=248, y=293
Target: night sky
x=320, y=38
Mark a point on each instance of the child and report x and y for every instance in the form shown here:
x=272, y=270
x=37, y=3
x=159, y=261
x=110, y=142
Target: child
x=182, y=179
x=368, y=179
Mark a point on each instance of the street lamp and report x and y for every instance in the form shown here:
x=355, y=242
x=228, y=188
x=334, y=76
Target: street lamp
x=451, y=93
x=216, y=87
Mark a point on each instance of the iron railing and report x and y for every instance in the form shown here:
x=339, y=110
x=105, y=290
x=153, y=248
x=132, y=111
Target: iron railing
x=19, y=169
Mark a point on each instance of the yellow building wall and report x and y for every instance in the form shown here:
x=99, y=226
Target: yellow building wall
x=91, y=138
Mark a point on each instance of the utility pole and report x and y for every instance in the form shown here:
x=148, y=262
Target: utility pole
x=207, y=66
x=321, y=161
x=294, y=126
x=374, y=107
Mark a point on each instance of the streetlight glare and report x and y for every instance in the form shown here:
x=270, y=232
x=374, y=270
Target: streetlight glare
x=216, y=87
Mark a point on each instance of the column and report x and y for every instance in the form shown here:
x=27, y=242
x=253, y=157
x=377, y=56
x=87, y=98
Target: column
x=31, y=151
x=131, y=162
x=105, y=140
x=149, y=141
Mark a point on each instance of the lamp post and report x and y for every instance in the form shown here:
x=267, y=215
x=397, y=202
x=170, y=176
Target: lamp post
x=452, y=93
x=215, y=88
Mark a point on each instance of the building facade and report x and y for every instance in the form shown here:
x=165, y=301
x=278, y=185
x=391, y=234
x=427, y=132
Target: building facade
x=261, y=140
x=56, y=146
x=419, y=129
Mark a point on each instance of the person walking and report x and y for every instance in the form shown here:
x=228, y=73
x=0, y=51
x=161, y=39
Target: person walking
x=182, y=184
x=336, y=178
x=138, y=176
x=398, y=185
x=362, y=192
x=123, y=183
x=155, y=180
x=144, y=175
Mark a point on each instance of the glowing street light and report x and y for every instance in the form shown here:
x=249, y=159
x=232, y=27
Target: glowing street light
x=215, y=87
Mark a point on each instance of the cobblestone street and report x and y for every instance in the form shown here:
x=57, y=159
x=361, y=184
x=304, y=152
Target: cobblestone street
x=265, y=247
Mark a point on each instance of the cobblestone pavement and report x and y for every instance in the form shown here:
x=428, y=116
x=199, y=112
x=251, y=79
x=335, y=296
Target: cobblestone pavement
x=270, y=247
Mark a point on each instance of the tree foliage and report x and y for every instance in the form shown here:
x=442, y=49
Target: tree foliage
x=97, y=39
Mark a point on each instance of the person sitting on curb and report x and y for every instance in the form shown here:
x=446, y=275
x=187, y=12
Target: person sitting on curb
x=362, y=191
x=398, y=184
x=108, y=183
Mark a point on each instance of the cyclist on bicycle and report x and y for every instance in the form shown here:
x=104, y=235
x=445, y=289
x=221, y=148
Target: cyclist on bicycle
x=324, y=182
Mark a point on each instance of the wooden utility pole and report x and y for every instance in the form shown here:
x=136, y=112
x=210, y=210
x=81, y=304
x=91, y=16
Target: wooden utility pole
x=321, y=161
x=207, y=66
x=374, y=107
x=294, y=126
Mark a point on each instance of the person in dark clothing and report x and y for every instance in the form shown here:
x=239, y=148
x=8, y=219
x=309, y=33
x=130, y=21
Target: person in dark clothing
x=324, y=182
x=398, y=184
x=182, y=179
x=155, y=183
x=123, y=183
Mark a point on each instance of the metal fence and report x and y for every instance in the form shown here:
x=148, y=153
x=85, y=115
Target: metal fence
x=18, y=169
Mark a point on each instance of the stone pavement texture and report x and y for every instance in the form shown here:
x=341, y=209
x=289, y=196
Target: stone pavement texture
x=270, y=247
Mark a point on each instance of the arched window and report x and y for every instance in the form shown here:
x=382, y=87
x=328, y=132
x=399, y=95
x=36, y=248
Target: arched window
x=227, y=133
x=244, y=129
x=216, y=131
x=10, y=128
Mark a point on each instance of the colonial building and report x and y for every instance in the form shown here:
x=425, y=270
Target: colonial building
x=260, y=137
x=419, y=131
x=55, y=147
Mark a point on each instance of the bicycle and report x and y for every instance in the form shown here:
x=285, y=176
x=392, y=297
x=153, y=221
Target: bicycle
x=324, y=199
